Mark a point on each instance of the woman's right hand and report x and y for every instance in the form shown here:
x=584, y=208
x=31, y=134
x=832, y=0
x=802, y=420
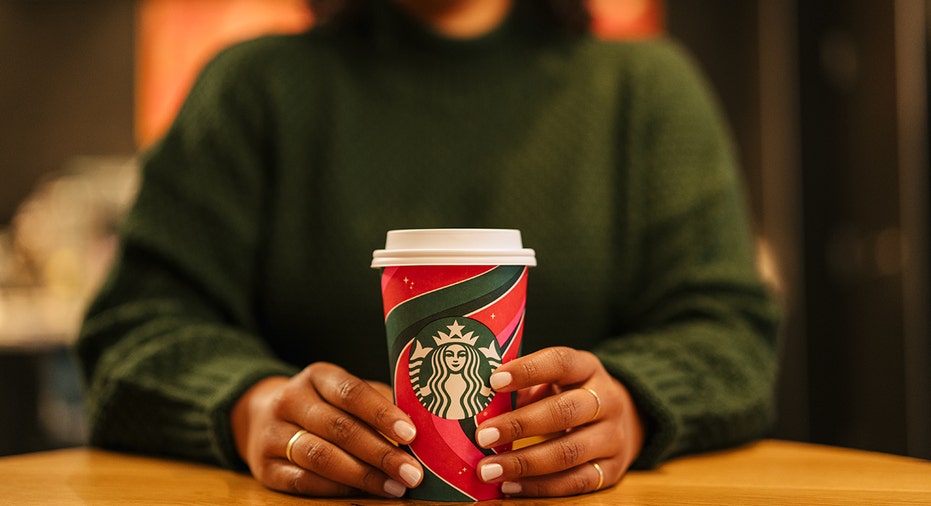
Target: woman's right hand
x=341, y=451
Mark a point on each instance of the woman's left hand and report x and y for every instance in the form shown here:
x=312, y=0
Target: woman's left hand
x=569, y=393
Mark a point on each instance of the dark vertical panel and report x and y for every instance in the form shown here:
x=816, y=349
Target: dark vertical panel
x=911, y=27
x=782, y=225
x=854, y=238
x=852, y=229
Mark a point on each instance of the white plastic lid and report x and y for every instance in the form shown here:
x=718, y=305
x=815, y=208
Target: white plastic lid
x=453, y=246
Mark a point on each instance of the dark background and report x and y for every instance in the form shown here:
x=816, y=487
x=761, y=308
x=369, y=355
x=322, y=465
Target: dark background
x=828, y=100
x=828, y=103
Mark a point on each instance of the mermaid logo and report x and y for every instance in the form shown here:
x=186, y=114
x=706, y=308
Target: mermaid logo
x=449, y=369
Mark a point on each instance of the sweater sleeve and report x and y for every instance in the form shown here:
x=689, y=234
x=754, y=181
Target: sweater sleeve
x=697, y=350
x=171, y=341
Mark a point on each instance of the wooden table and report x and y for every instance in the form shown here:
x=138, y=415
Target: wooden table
x=767, y=472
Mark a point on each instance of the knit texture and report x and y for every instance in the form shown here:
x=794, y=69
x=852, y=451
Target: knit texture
x=247, y=253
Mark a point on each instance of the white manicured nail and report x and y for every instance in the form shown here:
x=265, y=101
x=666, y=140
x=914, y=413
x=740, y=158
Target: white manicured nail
x=500, y=380
x=405, y=431
x=491, y=471
x=394, y=488
x=411, y=475
x=511, y=487
x=488, y=437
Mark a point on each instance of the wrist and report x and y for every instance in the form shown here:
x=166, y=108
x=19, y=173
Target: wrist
x=247, y=409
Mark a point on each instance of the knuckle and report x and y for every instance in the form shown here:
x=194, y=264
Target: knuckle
x=302, y=483
x=522, y=466
x=372, y=480
x=315, y=411
x=587, y=355
x=569, y=453
x=529, y=368
x=295, y=484
x=563, y=358
x=387, y=457
x=382, y=415
x=516, y=427
x=319, y=454
x=314, y=369
x=349, y=389
x=578, y=484
x=279, y=403
x=562, y=411
x=342, y=428
x=589, y=360
x=269, y=438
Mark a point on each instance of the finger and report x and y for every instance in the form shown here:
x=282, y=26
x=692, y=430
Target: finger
x=558, y=365
x=283, y=476
x=361, y=441
x=359, y=398
x=559, y=412
x=338, y=426
x=584, y=478
x=550, y=456
x=330, y=462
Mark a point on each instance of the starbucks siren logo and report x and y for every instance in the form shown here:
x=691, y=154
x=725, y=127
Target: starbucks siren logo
x=450, y=365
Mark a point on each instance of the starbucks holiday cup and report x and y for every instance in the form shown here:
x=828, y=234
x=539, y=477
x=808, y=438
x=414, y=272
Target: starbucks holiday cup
x=454, y=312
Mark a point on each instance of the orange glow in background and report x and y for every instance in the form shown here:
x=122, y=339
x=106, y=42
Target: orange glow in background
x=175, y=38
x=626, y=19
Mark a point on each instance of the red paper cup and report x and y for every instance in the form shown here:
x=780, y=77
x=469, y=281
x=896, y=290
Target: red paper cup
x=454, y=312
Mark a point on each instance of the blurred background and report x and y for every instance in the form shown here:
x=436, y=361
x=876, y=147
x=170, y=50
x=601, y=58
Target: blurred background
x=828, y=100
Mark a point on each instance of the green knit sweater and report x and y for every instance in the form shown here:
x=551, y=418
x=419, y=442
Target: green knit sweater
x=247, y=253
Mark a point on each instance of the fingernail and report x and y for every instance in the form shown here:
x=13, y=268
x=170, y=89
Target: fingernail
x=491, y=471
x=394, y=488
x=500, y=380
x=405, y=431
x=411, y=475
x=511, y=487
x=488, y=437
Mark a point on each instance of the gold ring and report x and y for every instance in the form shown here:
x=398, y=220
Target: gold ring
x=598, y=401
x=287, y=452
x=601, y=475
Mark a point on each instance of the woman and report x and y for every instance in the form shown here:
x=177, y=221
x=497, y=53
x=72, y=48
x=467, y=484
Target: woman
x=245, y=257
